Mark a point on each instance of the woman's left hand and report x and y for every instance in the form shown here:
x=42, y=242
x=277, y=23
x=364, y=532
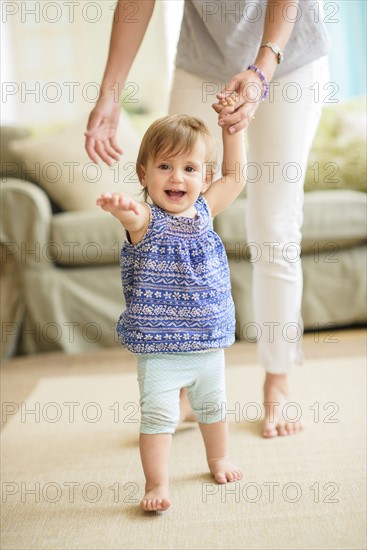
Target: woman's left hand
x=245, y=89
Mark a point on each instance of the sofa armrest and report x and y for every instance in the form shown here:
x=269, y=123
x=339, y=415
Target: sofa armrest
x=25, y=222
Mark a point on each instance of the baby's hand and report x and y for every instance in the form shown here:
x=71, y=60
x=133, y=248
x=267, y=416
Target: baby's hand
x=229, y=101
x=117, y=201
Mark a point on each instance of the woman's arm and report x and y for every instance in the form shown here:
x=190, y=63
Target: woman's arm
x=223, y=191
x=279, y=21
x=128, y=30
x=280, y=16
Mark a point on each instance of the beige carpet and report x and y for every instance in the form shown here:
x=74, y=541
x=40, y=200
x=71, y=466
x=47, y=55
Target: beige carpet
x=87, y=473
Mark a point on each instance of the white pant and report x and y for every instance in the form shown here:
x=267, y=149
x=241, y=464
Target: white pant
x=279, y=141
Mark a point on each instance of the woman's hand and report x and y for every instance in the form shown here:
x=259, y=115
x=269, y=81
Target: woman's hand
x=100, y=142
x=245, y=90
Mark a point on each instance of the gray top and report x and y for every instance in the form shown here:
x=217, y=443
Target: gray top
x=220, y=38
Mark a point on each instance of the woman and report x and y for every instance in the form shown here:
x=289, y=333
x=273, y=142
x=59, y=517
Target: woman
x=250, y=45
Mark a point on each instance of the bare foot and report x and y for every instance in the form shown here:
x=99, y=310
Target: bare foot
x=186, y=412
x=223, y=470
x=155, y=500
x=275, y=398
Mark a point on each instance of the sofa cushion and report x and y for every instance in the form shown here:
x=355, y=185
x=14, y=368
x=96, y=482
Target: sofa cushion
x=85, y=238
x=337, y=158
x=337, y=217
x=10, y=165
x=60, y=164
x=94, y=237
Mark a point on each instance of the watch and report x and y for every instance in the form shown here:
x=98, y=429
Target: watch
x=275, y=49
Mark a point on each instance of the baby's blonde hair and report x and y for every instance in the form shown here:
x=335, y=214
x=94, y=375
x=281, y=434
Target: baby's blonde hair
x=175, y=135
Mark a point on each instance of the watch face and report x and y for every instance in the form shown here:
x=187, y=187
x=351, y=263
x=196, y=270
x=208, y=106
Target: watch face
x=275, y=49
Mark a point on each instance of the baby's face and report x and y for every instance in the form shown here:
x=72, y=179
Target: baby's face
x=175, y=183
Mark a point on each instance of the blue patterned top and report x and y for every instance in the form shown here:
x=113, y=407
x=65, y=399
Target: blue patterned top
x=177, y=287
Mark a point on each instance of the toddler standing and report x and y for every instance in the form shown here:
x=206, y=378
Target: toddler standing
x=179, y=312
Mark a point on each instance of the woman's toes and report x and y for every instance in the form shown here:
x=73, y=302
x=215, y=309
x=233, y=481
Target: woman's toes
x=270, y=432
x=282, y=430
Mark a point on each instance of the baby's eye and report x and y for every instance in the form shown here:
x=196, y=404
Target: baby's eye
x=163, y=166
x=190, y=169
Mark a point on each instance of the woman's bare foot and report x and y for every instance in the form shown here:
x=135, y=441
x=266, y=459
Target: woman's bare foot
x=155, y=499
x=275, y=398
x=186, y=412
x=223, y=470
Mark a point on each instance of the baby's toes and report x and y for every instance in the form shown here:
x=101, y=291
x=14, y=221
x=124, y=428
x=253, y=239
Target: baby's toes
x=152, y=503
x=165, y=504
x=220, y=477
x=230, y=476
x=238, y=474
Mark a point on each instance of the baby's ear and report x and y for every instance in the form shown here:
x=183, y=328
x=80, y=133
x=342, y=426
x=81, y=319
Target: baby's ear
x=140, y=170
x=210, y=169
x=206, y=184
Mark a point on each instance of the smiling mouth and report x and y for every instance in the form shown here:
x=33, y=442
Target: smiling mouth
x=175, y=194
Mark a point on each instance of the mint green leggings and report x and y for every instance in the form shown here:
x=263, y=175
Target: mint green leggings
x=161, y=376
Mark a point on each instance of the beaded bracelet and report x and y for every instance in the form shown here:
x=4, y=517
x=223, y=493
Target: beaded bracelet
x=263, y=80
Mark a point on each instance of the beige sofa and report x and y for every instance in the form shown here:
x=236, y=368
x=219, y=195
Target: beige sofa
x=60, y=274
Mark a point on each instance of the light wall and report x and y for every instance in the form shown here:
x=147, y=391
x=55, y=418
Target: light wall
x=54, y=60
x=346, y=23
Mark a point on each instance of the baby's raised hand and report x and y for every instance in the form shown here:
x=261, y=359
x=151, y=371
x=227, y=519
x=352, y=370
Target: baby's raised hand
x=231, y=99
x=117, y=201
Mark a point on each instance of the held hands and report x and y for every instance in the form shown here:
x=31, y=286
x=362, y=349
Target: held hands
x=115, y=202
x=100, y=142
x=239, y=101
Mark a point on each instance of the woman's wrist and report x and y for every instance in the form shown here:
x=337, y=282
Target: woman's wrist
x=111, y=92
x=262, y=78
x=112, y=84
x=264, y=68
x=267, y=62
